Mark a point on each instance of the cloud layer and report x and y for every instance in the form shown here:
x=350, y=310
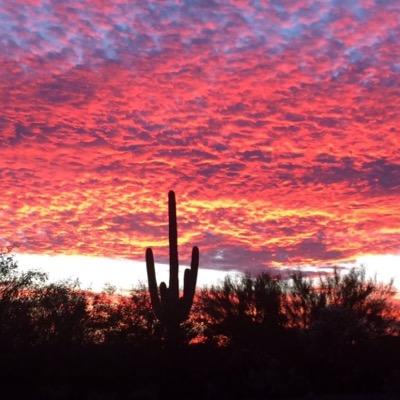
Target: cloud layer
x=276, y=122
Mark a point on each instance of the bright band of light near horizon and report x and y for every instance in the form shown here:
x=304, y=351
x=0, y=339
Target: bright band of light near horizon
x=276, y=123
x=98, y=273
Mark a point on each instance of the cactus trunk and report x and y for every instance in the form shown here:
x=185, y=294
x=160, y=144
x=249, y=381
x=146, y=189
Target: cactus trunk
x=173, y=247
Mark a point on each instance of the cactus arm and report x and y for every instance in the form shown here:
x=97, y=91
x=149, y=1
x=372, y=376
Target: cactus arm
x=194, y=268
x=185, y=302
x=151, y=277
x=173, y=248
x=186, y=284
x=163, y=294
x=190, y=279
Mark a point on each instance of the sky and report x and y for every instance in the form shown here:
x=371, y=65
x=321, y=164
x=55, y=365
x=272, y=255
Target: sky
x=276, y=123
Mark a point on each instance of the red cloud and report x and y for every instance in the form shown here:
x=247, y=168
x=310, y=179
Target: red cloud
x=277, y=126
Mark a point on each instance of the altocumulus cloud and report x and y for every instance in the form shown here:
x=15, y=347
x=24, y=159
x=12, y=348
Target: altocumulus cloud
x=276, y=123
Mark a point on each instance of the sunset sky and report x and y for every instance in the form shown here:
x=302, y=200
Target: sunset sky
x=276, y=122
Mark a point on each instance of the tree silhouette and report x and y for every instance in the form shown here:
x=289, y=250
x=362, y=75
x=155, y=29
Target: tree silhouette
x=17, y=302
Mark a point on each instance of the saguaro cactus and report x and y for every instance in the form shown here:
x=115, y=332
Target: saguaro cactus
x=168, y=306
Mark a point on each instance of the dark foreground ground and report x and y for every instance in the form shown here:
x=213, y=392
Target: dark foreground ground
x=279, y=370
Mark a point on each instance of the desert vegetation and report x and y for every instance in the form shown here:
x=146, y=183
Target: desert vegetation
x=248, y=337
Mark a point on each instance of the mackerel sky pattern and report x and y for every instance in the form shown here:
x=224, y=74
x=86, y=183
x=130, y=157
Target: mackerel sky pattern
x=276, y=122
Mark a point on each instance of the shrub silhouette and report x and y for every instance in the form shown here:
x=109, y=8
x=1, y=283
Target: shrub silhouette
x=119, y=319
x=348, y=305
x=170, y=309
x=61, y=315
x=350, y=300
x=244, y=309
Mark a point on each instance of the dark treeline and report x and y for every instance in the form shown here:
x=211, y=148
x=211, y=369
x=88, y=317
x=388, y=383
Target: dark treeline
x=248, y=338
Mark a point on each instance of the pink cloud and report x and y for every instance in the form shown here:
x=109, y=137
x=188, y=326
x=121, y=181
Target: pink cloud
x=277, y=126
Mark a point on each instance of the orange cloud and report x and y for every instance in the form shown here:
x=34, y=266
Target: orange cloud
x=277, y=124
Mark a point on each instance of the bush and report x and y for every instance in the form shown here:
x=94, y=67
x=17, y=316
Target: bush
x=243, y=309
x=349, y=304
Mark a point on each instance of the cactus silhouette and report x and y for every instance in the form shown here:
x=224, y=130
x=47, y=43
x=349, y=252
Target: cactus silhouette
x=171, y=309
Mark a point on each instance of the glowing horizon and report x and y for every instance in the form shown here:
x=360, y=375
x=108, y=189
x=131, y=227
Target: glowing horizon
x=276, y=123
x=94, y=273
